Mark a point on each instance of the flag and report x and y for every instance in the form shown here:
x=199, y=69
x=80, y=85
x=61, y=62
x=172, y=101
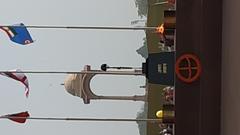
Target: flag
x=19, y=77
x=18, y=34
x=17, y=117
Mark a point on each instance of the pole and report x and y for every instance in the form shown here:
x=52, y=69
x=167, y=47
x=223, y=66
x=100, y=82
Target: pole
x=85, y=119
x=82, y=27
x=104, y=67
x=160, y=3
x=45, y=72
x=76, y=72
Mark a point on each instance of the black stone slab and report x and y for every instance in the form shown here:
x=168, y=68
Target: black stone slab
x=199, y=32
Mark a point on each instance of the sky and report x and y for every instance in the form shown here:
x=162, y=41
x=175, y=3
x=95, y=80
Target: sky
x=70, y=50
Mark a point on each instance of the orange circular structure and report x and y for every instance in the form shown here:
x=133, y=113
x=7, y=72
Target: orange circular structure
x=188, y=68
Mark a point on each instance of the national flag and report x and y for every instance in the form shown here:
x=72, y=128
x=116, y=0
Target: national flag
x=17, y=117
x=17, y=75
x=18, y=34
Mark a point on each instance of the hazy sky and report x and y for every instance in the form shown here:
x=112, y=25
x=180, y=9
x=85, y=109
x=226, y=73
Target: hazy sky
x=70, y=50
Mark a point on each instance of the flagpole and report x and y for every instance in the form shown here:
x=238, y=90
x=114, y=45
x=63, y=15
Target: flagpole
x=82, y=27
x=46, y=72
x=160, y=3
x=85, y=119
x=76, y=72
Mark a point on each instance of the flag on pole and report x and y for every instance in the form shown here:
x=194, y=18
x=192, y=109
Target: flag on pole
x=18, y=34
x=19, y=77
x=17, y=117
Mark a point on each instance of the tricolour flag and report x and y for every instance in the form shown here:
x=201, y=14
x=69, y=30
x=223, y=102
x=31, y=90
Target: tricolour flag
x=17, y=117
x=18, y=34
x=19, y=77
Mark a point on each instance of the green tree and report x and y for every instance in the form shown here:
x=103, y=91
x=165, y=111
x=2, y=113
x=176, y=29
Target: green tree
x=142, y=114
x=142, y=6
x=143, y=51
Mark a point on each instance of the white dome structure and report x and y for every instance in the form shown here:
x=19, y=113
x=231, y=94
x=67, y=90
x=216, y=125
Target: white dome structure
x=72, y=84
x=79, y=85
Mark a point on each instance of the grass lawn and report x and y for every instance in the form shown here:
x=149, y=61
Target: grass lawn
x=155, y=99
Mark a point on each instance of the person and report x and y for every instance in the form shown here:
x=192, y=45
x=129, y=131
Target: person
x=167, y=131
x=168, y=93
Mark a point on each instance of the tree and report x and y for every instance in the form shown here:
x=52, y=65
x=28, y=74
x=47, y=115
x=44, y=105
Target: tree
x=143, y=51
x=142, y=114
x=142, y=6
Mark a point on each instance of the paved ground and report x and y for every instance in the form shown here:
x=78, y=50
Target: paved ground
x=230, y=68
